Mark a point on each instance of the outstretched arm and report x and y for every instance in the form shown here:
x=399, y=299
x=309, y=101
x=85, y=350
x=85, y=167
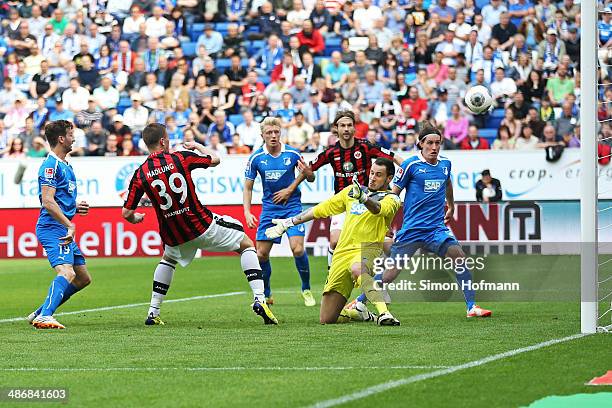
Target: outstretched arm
x=450, y=201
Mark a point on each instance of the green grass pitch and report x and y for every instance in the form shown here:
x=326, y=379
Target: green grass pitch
x=216, y=352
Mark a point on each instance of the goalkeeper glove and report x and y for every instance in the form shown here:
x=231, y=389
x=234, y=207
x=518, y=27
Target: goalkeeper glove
x=279, y=228
x=358, y=192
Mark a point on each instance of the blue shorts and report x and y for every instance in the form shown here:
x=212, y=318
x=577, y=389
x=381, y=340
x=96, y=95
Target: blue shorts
x=49, y=237
x=265, y=222
x=437, y=241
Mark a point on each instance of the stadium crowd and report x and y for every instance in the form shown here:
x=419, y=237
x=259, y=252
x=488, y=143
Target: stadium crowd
x=211, y=70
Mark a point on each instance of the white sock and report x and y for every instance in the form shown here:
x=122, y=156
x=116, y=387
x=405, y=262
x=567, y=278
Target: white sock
x=330, y=255
x=252, y=270
x=161, y=283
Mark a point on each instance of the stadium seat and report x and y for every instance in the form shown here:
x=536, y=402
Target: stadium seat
x=221, y=27
x=265, y=79
x=493, y=122
x=223, y=63
x=497, y=113
x=235, y=119
x=195, y=30
x=189, y=49
x=50, y=104
x=489, y=134
x=124, y=103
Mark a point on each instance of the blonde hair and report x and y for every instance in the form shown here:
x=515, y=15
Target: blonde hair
x=270, y=122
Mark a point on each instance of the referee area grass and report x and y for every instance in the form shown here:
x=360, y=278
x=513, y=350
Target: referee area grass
x=216, y=352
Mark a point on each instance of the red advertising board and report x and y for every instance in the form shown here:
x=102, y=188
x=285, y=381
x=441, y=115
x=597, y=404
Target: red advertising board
x=102, y=233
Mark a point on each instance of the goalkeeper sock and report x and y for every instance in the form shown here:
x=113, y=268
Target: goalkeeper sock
x=464, y=280
x=303, y=268
x=362, y=298
x=252, y=270
x=366, y=283
x=70, y=290
x=56, y=293
x=330, y=255
x=266, y=271
x=161, y=283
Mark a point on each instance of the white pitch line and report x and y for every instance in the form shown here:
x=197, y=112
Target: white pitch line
x=105, y=369
x=102, y=309
x=377, y=389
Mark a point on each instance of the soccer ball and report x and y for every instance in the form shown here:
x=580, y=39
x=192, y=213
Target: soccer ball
x=478, y=99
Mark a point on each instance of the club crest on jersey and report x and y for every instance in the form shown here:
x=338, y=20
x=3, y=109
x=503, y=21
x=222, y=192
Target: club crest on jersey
x=71, y=187
x=445, y=170
x=431, y=186
x=357, y=155
x=287, y=161
x=49, y=172
x=347, y=167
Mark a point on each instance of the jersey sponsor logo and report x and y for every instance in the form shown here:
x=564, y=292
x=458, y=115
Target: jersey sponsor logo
x=347, y=167
x=274, y=175
x=431, y=186
x=49, y=172
x=287, y=161
x=357, y=155
x=351, y=174
x=386, y=151
x=357, y=208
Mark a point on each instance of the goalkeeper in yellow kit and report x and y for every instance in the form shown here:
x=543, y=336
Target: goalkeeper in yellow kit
x=369, y=213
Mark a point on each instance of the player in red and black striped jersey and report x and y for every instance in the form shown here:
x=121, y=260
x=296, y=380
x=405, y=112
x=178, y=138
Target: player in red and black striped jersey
x=348, y=157
x=185, y=224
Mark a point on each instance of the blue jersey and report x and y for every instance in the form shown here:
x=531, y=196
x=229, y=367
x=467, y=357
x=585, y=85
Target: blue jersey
x=276, y=173
x=425, y=186
x=57, y=174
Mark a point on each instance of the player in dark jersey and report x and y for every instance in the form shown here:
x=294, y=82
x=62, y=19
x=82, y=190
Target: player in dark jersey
x=185, y=224
x=348, y=157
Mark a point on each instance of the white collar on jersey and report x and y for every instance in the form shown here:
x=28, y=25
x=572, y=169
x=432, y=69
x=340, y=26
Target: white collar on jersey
x=421, y=158
x=265, y=149
x=57, y=158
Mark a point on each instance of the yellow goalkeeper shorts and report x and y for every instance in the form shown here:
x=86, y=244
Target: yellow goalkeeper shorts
x=340, y=279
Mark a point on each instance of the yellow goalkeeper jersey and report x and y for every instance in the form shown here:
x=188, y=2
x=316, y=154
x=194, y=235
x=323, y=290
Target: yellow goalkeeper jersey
x=361, y=227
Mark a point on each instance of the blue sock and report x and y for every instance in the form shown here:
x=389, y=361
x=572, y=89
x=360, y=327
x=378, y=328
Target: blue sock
x=468, y=292
x=266, y=271
x=56, y=293
x=303, y=268
x=70, y=290
x=362, y=298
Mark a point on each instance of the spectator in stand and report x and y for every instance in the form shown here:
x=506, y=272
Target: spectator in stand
x=456, y=128
x=251, y=90
x=504, y=139
x=156, y=24
x=88, y=74
x=38, y=148
x=261, y=110
x=440, y=108
x=418, y=105
x=310, y=70
x=551, y=50
x=488, y=189
x=267, y=21
x=286, y=69
x=237, y=147
x=372, y=89
x=387, y=112
x=527, y=141
x=41, y=113
x=16, y=149
x=559, y=86
x=236, y=74
x=128, y=149
x=502, y=88
x=274, y=92
x=351, y=90
x=454, y=86
x=60, y=113
x=249, y=131
x=473, y=141
x=75, y=98
x=106, y=95
x=321, y=18
x=336, y=72
x=314, y=144
x=136, y=116
x=43, y=84
x=131, y=25
x=96, y=139
x=211, y=40
x=176, y=91
x=504, y=31
x=534, y=88
x=365, y=16
x=111, y=148
x=86, y=117
x=267, y=57
x=224, y=97
x=311, y=39
x=300, y=132
x=513, y=124
x=567, y=122
x=297, y=16
x=551, y=138
x=437, y=70
x=316, y=112
x=214, y=143
x=224, y=129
